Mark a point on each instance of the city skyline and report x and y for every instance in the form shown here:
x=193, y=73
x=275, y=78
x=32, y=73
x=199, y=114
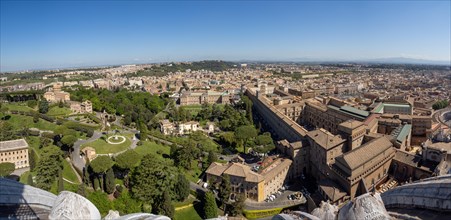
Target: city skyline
x=50, y=34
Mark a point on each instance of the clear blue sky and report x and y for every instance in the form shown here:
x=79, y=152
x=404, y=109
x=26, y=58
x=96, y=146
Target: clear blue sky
x=53, y=34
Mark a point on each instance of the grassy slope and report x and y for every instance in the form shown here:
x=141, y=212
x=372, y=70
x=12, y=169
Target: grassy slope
x=187, y=213
x=69, y=173
x=18, y=107
x=21, y=121
x=55, y=110
x=150, y=147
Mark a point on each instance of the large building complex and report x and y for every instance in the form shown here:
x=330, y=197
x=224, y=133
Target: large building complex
x=210, y=97
x=254, y=185
x=348, y=149
x=56, y=95
x=16, y=152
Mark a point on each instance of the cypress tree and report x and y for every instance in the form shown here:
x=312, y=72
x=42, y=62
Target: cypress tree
x=210, y=207
x=32, y=159
x=165, y=207
x=60, y=181
x=224, y=190
x=30, y=180
x=109, y=181
x=81, y=190
x=95, y=184
x=86, y=177
x=181, y=187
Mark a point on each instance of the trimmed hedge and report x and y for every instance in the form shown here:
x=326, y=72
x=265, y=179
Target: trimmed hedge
x=89, y=131
x=33, y=113
x=33, y=132
x=49, y=135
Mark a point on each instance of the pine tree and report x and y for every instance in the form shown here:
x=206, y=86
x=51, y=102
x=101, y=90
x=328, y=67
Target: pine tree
x=109, y=181
x=210, y=207
x=60, y=181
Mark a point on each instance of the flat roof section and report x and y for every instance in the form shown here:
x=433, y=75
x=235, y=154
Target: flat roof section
x=13, y=145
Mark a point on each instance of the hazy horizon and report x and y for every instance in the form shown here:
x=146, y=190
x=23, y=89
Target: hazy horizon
x=49, y=35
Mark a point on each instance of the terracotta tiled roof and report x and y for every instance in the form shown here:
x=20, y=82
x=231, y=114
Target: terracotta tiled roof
x=216, y=169
x=325, y=139
x=365, y=153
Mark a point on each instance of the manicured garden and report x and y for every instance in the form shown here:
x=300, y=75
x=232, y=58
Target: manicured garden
x=103, y=147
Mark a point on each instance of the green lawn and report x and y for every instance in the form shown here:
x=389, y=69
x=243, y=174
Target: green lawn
x=24, y=177
x=150, y=147
x=57, y=111
x=194, y=173
x=187, y=201
x=187, y=213
x=18, y=106
x=70, y=187
x=21, y=121
x=34, y=142
x=69, y=173
x=103, y=147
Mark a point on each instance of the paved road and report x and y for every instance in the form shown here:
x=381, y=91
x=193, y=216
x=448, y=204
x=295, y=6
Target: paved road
x=77, y=160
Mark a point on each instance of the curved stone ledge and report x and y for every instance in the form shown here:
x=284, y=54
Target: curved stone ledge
x=432, y=193
x=13, y=192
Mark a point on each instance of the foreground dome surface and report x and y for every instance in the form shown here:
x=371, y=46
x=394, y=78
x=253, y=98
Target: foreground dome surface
x=19, y=201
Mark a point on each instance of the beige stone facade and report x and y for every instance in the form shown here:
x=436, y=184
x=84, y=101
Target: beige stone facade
x=255, y=186
x=369, y=163
x=210, y=97
x=16, y=152
x=330, y=117
x=56, y=95
x=81, y=108
x=170, y=128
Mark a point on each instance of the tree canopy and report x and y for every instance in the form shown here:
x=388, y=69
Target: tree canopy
x=210, y=207
x=151, y=178
x=244, y=134
x=48, y=167
x=127, y=160
x=181, y=188
x=43, y=106
x=101, y=164
x=69, y=140
x=440, y=104
x=6, y=169
x=224, y=190
x=137, y=107
x=264, y=143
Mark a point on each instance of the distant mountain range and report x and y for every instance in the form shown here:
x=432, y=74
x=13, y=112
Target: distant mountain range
x=391, y=60
x=404, y=60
